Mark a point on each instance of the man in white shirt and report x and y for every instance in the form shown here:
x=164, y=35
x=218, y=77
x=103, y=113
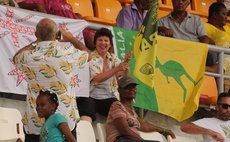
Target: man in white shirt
x=216, y=129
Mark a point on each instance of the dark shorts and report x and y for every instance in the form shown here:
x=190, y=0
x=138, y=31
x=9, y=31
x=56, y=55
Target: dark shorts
x=90, y=106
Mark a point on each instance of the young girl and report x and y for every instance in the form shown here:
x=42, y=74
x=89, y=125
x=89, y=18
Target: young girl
x=55, y=128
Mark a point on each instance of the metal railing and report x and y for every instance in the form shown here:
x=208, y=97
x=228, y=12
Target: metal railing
x=222, y=52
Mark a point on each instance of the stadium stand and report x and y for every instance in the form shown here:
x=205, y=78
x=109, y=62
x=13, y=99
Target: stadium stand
x=200, y=7
x=105, y=11
x=79, y=6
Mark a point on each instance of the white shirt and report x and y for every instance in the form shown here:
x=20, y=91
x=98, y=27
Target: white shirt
x=217, y=125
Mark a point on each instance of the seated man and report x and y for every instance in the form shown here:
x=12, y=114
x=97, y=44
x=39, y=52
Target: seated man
x=180, y=24
x=132, y=16
x=214, y=129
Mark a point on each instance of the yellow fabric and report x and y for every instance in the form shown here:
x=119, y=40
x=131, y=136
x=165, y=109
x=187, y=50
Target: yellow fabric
x=221, y=38
x=144, y=54
x=177, y=95
x=144, y=47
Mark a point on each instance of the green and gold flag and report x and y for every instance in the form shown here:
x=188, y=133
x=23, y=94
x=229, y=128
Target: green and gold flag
x=179, y=68
x=145, y=49
x=179, y=72
x=169, y=71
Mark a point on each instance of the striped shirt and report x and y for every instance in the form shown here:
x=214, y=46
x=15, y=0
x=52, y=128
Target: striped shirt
x=117, y=110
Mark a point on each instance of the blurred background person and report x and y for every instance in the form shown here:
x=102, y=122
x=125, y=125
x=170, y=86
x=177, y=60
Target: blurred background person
x=132, y=16
x=219, y=33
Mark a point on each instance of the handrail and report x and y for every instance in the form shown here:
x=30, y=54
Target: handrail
x=222, y=52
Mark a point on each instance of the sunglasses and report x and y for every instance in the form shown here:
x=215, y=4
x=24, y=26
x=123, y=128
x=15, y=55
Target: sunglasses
x=224, y=106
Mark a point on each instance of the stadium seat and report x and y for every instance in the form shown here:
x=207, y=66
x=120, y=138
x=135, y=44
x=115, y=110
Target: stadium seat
x=200, y=7
x=162, y=13
x=180, y=139
x=11, y=127
x=209, y=92
x=164, y=6
x=125, y=2
x=107, y=10
x=83, y=7
x=85, y=132
x=152, y=136
x=101, y=130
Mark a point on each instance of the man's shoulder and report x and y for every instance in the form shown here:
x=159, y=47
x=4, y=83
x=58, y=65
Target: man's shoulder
x=129, y=9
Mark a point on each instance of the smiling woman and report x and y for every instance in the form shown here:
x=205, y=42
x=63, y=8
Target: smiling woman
x=105, y=68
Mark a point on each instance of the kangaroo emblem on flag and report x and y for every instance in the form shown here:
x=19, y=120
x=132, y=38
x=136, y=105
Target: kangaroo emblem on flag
x=175, y=70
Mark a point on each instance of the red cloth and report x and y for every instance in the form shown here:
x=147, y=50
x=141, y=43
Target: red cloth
x=60, y=8
x=55, y=7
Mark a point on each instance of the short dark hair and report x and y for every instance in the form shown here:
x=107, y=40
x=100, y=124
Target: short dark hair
x=222, y=95
x=103, y=32
x=215, y=8
x=52, y=97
